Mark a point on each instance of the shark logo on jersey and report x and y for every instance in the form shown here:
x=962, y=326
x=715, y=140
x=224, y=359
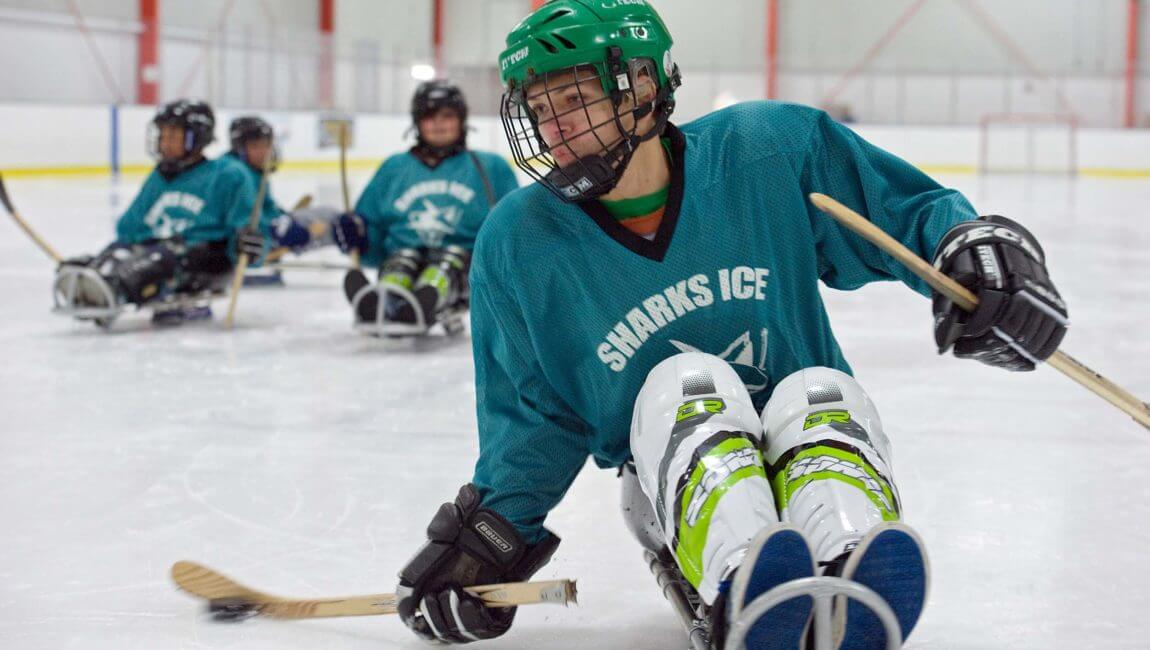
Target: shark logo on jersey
x=432, y=222
x=162, y=223
x=750, y=364
x=659, y=310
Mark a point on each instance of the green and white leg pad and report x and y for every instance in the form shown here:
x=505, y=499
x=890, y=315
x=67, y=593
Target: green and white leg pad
x=828, y=460
x=695, y=437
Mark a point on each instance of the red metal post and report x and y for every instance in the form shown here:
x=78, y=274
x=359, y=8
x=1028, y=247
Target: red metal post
x=437, y=35
x=772, y=48
x=327, y=53
x=535, y=4
x=1131, y=63
x=148, y=54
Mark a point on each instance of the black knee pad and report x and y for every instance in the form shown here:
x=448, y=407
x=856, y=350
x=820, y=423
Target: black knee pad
x=204, y=267
x=141, y=274
x=453, y=262
x=405, y=261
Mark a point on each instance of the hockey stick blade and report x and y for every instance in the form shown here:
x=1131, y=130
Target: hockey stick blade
x=228, y=600
x=7, y=202
x=1060, y=361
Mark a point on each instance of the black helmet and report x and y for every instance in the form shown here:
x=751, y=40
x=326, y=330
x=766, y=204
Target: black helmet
x=197, y=120
x=247, y=128
x=431, y=96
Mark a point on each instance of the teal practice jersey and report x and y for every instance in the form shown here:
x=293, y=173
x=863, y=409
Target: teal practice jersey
x=570, y=310
x=209, y=202
x=408, y=204
x=269, y=210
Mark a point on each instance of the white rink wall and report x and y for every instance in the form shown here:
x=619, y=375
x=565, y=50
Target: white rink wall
x=46, y=139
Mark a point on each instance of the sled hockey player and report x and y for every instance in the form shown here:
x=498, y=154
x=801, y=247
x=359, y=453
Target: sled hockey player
x=652, y=301
x=417, y=220
x=252, y=143
x=178, y=240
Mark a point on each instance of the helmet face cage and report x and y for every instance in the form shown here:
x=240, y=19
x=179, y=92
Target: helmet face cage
x=593, y=173
x=429, y=98
x=244, y=130
x=197, y=121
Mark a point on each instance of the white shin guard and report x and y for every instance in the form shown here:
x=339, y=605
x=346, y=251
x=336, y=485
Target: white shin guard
x=696, y=440
x=828, y=459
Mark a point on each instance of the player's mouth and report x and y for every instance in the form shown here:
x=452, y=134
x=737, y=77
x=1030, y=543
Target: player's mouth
x=563, y=155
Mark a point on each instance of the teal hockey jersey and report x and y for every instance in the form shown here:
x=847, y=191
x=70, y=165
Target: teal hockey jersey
x=270, y=209
x=409, y=204
x=209, y=202
x=570, y=310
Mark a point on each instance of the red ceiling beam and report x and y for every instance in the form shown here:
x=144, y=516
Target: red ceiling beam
x=148, y=54
x=327, y=53
x=437, y=17
x=1129, y=119
x=772, y=49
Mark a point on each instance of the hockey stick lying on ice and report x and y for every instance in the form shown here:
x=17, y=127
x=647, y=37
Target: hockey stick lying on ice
x=962, y=297
x=229, y=600
x=44, y=246
x=242, y=262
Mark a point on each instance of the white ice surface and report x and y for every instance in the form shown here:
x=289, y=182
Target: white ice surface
x=305, y=460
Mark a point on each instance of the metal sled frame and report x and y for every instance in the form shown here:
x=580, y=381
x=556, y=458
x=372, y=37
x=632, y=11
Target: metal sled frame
x=823, y=590
x=381, y=327
x=64, y=296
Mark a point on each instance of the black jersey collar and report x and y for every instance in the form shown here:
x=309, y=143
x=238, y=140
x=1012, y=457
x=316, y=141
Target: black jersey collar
x=656, y=248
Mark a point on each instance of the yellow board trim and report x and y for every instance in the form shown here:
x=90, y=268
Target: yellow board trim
x=372, y=163
x=105, y=170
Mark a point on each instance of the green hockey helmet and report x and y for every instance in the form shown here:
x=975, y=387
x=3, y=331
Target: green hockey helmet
x=566, y=43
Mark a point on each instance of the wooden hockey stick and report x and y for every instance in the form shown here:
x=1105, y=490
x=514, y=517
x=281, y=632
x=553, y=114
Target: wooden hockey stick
x=228, y=599
x=962, y=297
x=303, y=202
x=353, y=255
x=242, y=262
x=39, y=241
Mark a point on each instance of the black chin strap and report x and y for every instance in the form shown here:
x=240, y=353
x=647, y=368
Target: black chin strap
x=170, y=169
x=596, y=175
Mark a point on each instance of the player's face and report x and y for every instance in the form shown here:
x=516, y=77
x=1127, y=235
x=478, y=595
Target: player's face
x=171, y=142
x=441, y=128
x=575, y=117
x=258, y=151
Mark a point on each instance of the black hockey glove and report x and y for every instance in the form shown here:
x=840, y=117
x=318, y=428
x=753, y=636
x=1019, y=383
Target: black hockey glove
x=1020, y=319
x=251, y=243
x=467, y=545
x=350, y=232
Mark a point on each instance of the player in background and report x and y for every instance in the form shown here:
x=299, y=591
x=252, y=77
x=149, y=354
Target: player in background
x=418, y=218
x=180, y=236
x=652, y=302
x=252, y=144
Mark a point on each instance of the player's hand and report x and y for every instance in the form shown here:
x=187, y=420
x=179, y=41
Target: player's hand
x=1021, y=318
x=350, y=232
x=251, y=243
x=467, y=545
x=289, y=233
